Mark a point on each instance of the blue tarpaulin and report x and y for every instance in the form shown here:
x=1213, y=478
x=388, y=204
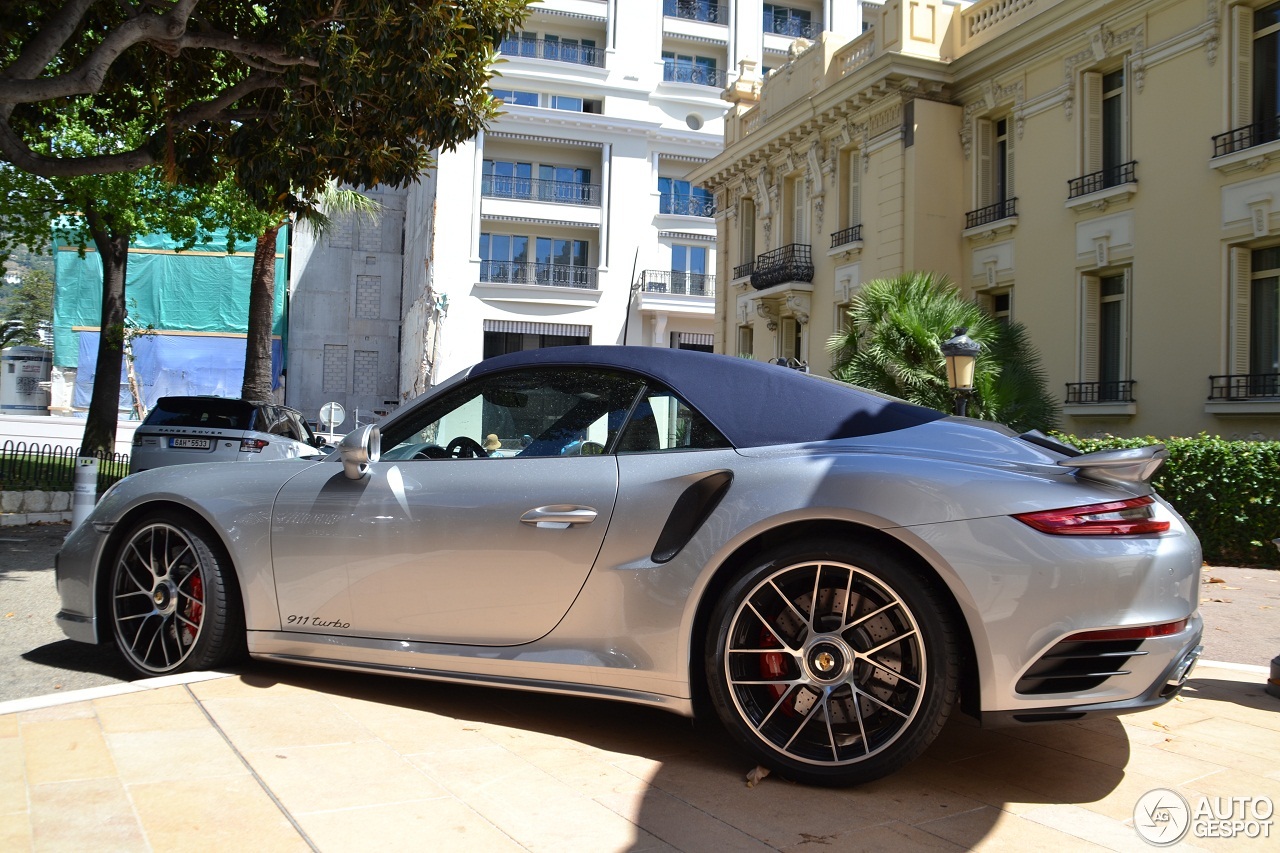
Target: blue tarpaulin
x=168, y=365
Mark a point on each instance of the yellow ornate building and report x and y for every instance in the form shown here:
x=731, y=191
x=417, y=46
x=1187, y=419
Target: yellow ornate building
x=1106, y=172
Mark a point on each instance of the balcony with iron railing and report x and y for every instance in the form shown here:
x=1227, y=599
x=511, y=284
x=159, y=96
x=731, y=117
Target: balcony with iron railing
x=793, y=262
x=744, y=270
x=697, y=10
x=679, y=282
x=791, y=27
x=1245, y=386
x=1117, y=391
x=548, y=275
x=683, y=204
x=845, y=236
x=1006, y=209
x=1114, y=176
x=1250, y=135
x=698, y=75
x=554, y=50
x=538, y=189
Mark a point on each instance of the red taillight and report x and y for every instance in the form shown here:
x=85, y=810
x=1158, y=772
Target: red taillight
x=1120, y=518
x=1168, y=629
x=252, y=445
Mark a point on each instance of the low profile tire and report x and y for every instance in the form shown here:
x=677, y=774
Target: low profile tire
x=172, y=604
x=832, y=662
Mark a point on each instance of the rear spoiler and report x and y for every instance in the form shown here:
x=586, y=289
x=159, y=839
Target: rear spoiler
x=1130, y=467
x=1134, y=466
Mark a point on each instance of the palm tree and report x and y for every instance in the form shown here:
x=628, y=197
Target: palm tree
x=892, y=344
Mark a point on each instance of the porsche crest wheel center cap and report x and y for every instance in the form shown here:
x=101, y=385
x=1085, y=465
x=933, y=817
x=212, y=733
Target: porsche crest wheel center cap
x=827, y=660
x=165, y=596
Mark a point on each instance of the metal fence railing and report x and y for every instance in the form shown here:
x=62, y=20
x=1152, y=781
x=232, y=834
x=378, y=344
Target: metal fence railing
x=27, y=466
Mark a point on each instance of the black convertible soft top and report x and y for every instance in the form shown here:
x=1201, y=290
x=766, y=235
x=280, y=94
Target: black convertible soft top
x=752, y=403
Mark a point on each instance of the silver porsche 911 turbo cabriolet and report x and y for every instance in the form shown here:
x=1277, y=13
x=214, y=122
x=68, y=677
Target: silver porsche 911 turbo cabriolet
x=830, y=570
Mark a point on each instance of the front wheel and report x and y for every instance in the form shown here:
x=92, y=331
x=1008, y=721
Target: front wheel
x=172, y=606
x=832, y=662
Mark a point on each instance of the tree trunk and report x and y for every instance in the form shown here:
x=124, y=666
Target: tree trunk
x=100, y=426
x=262, y=298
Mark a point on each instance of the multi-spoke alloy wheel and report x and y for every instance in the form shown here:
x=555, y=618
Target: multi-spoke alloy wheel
x=169, y=600
x=833, y=667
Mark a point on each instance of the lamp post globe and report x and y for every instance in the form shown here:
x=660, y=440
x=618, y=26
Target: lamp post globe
x=961, y=353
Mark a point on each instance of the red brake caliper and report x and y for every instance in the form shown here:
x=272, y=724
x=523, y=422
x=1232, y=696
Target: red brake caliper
x=194, y=610
x=772, y=664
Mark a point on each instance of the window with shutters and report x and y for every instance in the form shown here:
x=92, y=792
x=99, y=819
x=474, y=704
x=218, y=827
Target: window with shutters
x=791, y=339
x=1105, y=156
x=746, y=233
x=993, y=178
x=798, y=193
x=1104, y=345
x=1255, y=78
x=850, y=200
x=1255, y=326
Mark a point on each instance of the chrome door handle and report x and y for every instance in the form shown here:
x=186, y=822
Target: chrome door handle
x=559, y=516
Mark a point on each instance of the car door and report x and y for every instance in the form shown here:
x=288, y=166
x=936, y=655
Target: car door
x=479, y=525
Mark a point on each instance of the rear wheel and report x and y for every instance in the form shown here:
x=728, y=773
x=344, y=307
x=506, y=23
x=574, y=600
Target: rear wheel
x=832, y=662
x=173, y=608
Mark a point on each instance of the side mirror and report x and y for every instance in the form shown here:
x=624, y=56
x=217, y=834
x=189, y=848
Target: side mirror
x=359, y=449
x=319, y=441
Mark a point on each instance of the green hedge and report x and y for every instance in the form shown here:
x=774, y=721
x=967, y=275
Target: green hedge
x=1229, y=491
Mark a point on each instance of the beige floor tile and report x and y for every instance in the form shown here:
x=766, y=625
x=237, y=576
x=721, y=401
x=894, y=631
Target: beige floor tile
x=875, y=839
x=411, y=730
x=265, y=722
x=70, y=711
x=1053, y=776
x=982, y=783
x=1235, y=783
x=1089, y=826
x=8, y=726
x=1233, y=734
x=916, y=794
x=170, y=708
x=778, y=812
x=340, y=776
x=93, y=814
x=995, y=830
x=678, y=823
x=226, y=813
x=15, y=831
x=526, y=803
x=1119, y=802
x=65, y=750
x=13, y=777
x=1172, y=767
x=163, y=754
x=1111, y=748
x=582, y=768
x=1258, y=763
x=440, y=825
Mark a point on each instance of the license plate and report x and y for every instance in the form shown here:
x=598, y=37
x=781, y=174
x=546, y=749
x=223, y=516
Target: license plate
x=190, y=443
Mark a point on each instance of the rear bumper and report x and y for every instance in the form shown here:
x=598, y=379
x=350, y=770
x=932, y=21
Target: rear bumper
x=1161, y=690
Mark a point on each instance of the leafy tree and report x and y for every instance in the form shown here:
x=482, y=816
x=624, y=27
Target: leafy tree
x=30, y=308
x=107, y=211
x=285, y=94
x=892, y=344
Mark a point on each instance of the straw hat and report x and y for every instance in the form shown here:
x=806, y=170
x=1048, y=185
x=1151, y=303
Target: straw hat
x=491, y=442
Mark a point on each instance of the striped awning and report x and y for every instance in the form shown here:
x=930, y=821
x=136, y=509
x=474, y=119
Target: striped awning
x=697, y=338
x=523, y=327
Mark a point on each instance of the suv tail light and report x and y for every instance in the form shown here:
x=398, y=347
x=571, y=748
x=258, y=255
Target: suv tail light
x=1119, y=518
x=253, y=445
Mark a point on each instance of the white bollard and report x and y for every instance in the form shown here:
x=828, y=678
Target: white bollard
x=85, y=489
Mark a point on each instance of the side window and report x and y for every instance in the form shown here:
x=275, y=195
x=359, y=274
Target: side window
x=663, y=421
x=539, y=412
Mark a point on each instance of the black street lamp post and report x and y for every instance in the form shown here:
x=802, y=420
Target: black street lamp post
x=961, y=351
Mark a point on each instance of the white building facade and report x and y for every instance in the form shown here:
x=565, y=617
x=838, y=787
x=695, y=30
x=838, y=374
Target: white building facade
x=571, y=219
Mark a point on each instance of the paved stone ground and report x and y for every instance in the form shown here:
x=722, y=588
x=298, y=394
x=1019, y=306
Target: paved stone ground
x=1241, y=612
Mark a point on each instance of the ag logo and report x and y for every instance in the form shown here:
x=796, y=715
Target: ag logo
x=1162, y=817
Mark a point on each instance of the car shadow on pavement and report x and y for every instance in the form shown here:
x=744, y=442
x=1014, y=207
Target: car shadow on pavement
x=72, y=656
x=685, y=783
